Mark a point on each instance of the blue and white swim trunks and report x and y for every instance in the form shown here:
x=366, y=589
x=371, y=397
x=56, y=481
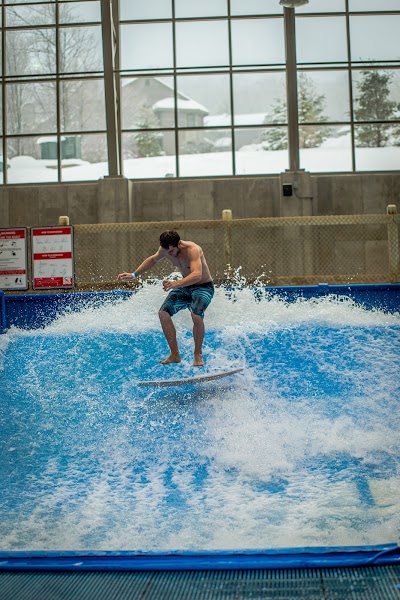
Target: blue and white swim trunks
x=194, y=297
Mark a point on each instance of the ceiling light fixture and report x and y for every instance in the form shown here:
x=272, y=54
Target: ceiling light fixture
x=293, y=3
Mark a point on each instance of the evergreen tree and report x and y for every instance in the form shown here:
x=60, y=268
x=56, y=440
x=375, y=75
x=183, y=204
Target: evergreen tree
x=311, y=107
x=374, y=105
x=148, y=142
x=311, y=110
x=276, y=138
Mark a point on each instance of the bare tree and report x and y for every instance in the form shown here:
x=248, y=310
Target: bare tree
x=35, y=51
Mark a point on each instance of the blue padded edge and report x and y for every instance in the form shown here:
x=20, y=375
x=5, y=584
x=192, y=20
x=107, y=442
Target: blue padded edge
x=3, y=324
x=285, y=558
x=372, y=296
x=35, y=311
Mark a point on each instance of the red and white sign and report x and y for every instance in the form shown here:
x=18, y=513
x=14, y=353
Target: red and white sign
x=52, y=257
x=13, y=259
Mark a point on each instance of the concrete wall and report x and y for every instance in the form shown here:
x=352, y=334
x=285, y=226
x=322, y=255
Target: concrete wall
x=121, y=200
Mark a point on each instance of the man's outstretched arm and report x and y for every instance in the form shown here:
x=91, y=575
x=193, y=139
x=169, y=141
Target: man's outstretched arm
x=146, y=265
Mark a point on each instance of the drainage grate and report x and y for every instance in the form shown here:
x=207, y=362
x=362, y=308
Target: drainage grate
x=365, y=583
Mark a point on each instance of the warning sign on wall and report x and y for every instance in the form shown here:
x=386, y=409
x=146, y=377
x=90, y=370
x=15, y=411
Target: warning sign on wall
x=13, y=259
x=52, y=257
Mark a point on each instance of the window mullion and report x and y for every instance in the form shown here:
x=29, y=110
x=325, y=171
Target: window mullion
x=291, y=89
x=110, y=41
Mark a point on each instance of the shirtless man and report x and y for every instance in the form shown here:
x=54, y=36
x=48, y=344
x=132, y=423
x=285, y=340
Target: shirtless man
x=194, y=291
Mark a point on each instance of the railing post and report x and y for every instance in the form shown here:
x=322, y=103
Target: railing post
x=393, y=243
x=227, y=219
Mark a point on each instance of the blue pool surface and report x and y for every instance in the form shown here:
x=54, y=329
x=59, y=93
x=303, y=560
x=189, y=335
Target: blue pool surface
x=296, y=458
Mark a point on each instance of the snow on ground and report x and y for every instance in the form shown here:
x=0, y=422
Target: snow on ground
x=250, y=160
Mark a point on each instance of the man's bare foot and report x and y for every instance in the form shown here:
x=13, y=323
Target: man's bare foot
x=172, y=358
x=198, y=360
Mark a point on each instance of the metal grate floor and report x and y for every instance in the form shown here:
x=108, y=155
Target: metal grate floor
x=365, y=583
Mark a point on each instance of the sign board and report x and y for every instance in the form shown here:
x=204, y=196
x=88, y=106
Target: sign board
x=13, y=259
x=52, y=257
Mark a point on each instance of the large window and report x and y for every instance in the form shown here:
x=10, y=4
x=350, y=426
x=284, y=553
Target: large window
x=197, y=89
x=53, y=122
x=349, y=89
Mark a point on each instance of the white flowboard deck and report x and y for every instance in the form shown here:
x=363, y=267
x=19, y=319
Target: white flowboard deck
x=197, y=379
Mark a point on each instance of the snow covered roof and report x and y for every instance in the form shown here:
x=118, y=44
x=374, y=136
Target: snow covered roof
x=225, y=119
x=168, y=103
x=224, y=142
x=214, y=120
x=49, y=138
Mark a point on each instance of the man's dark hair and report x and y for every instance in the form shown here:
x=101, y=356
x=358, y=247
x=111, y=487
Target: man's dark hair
x=169, y=238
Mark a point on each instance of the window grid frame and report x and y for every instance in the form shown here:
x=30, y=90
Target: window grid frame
x=350, y=66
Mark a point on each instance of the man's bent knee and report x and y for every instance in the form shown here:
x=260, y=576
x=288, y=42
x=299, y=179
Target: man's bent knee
x=164, y=315
x=197, y=318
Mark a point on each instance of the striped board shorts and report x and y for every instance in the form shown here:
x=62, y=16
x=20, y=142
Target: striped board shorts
x=194, y=297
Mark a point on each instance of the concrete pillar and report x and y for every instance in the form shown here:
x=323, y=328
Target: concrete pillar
x=299, y=204
x=300, y=200
x=115, y=200
x=114, y=206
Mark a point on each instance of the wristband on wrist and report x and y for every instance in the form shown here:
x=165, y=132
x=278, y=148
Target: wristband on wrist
x=135, y=275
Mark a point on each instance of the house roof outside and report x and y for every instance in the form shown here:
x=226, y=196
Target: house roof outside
x=189, y=105
x=125, y=82
x=50, y=139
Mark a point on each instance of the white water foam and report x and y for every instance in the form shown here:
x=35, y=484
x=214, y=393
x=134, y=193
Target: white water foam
x=237, y=309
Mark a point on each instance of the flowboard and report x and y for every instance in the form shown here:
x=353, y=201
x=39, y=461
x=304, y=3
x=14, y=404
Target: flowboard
x=196, y=379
